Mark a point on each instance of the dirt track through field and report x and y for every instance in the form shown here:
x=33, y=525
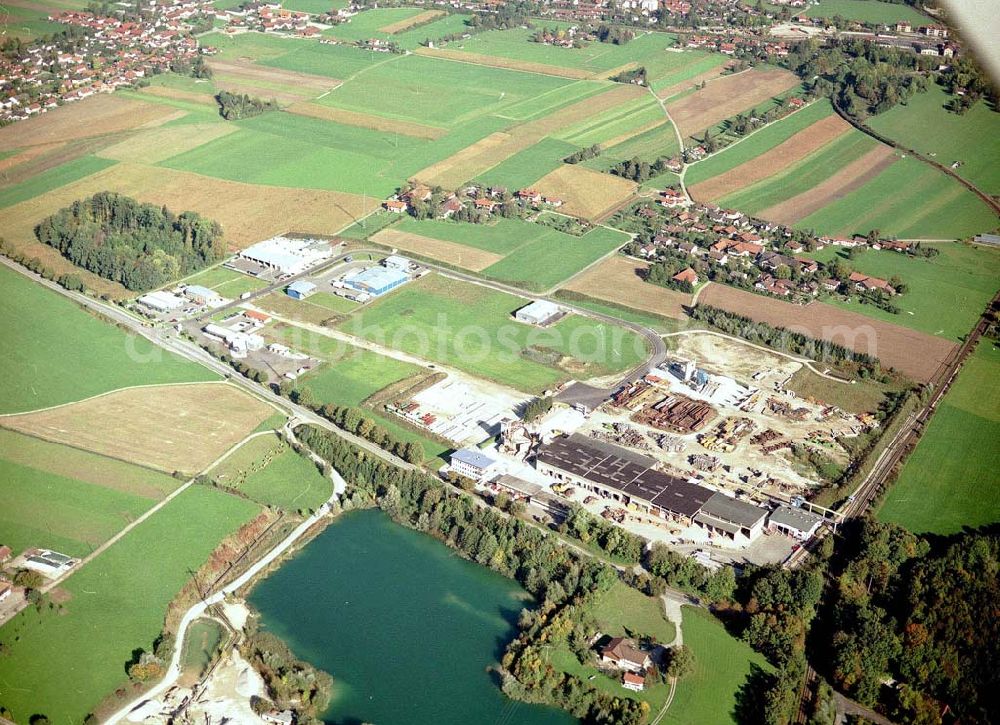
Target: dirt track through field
x=771, y=162
x=495, y=148
x=451, y=252
x=95, y=116
x=407, y=23
x=853, y=176
x=619, y=280
x=366, y=120
x=726, y=97
x=170, y=427
x=915, y=354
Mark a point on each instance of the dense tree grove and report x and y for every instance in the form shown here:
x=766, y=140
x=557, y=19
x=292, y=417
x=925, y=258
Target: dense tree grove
x=638, y=170
x=662, y=272
x=290, y=681
x=605, y=535
x=142, y=246
x=924, y=616
x=614, y=34
x=537, y=407
x=967, y=83
x=780, y=338
x=861, y=77
x=235, y=106
x=591, y=152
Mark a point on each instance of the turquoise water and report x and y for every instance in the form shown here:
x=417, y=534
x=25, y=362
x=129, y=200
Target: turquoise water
x=406, y=627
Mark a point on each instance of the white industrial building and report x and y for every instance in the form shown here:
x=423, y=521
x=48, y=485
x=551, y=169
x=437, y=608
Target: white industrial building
x=473, y=464
x=795, y=522
x=161, y=301
x=50, y=563
x=539, y=312
x=238, y=342
x=288, y=256
x=394, y=261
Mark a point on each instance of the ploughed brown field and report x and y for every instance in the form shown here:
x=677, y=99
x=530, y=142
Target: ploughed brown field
x=240, y=76
x=727, y=96
x=586, y=193
x=101, y=114
x=914, y=354
x=853, y=176
x=407, y=23
x=779, y=158
x=168, y=427
x=618, y=280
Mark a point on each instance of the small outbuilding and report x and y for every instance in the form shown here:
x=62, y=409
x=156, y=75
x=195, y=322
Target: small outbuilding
x=633, y=682
x=539, y=312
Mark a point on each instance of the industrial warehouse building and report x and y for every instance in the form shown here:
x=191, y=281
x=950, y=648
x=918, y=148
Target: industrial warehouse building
x=287, y=256
x=631, y=479
x=161, y=301
x=795, y=522
x=473, y=464
x=376, y=281
x=300, y=290
x=202, y=295
x=539, y=312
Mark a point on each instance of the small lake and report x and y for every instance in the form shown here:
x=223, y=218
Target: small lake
x=406, y=627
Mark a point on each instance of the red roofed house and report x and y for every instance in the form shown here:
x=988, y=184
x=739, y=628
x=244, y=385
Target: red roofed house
x=530, y=195
x=633, y=682
x=864, y=283
x=256, y=316
x=487, y=204
x=687, y=275
x=395, y=206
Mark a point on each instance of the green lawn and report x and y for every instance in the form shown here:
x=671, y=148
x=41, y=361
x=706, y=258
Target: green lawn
x=63, y=662
x=910, y=200
x=757, y=144
x=952, y=479
x=722, y=666
x=564, y=660
x=623, y=611
x=57, y=353
x=616, y=121
x=868, y=11
x=266, y=470
x=472, y=328
x=924, y=125
x=648, y=146
x=52, y=179
x=554, y=257
x=526, y=167
x=806, y=174
x=946, y=294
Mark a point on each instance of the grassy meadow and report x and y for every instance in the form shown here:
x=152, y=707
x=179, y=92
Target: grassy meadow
x=951, y=480
x=41, y=326
x=55, y=177
x=472, y=328
x=946, y=294
x=61, y=662
x=267, y=471
x=924, y=125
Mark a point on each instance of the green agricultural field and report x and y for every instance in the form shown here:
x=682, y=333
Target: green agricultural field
x=57, y=353
x=27, y=24
x=951, y=480
x=472, y=328
x=329, y=301
x=807, y=173
x=252, y=46
x=63, y=661
x=500, y=237
x=54, y=509
x=316, y=7
x=622, y=610
x=369, y=225
x=697, y=62
x=868, y=11
x=266, y=470
x=910, y=200
x=438, y=92
x=613, y=123
x=52, y=179
x=411, y=39
x=648, y=146
x=213, y=277
x=924, y=125
x=757, y=143
x=554, y=99
x=368, y=23
x=946, y=294
x=863, y=396
x=723, y=665
x=554, y=257
x=654, y=322
x=526, y=167
x=596, y=57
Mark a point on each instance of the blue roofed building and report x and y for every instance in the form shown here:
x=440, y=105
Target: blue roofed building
x=377, y=280
x=472, y=463
x=300, y=289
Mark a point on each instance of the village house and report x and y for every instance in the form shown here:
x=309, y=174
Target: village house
x=395, y=206
x=623, y=654
x=687, y=275
x=633, y=682
x=864, y=283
